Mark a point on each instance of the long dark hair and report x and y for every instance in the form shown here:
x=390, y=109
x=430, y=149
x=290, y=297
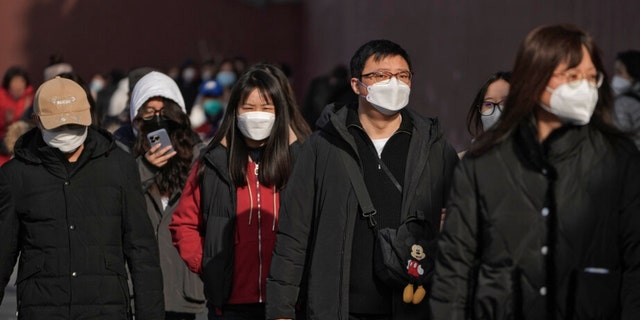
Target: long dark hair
x=276, y=160
x=474, y=124
x=543, y=49
x=173, y=175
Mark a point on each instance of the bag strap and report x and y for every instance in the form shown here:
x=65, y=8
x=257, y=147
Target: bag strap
x=389, y=174
x=357, y=181
x=384, y=168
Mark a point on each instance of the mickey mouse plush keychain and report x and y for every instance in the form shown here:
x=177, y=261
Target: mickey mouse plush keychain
x=415, y=270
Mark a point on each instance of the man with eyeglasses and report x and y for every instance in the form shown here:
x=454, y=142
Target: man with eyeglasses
x=323, y=260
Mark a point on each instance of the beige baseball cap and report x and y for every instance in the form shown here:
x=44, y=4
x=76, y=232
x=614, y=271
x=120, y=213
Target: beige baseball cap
x=61, y=101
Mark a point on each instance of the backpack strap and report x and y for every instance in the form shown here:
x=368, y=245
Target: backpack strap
x=357, y=181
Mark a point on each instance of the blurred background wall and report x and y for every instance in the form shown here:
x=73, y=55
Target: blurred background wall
x=454, y=44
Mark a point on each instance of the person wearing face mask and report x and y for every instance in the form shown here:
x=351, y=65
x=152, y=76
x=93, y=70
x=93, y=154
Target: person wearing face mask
x=73, y=212
x=488, y=104
x=226, y=221
x=626, y=88
x=323, y=260
x=156, y=103
x=208, y=110
x=543, y=219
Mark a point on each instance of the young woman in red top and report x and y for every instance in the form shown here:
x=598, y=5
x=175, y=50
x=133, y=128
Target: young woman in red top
x=226, y=222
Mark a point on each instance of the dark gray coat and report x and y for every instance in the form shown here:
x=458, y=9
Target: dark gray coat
x=319, y=210
x=183, y=289
x=75, y=231
x=546, y=231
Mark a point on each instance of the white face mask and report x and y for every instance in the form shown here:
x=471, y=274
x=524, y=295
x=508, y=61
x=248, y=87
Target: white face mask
x=620, y=85
x=388, y=97
x=66, y=139
x=256, y=125
x=573, y=103
x=490, y=120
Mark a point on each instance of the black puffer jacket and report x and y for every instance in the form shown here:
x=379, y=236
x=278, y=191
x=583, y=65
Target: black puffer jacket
x=319, y=210
x=74, y=231
x=547, y=231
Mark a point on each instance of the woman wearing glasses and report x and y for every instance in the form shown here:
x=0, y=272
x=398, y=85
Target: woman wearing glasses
x=488, y=104
x=543, y=216
x=156, y=103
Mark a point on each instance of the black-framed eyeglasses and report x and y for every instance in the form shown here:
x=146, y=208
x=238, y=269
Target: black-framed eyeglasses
x=487, y=108
x=379, y=76
x=148, y=113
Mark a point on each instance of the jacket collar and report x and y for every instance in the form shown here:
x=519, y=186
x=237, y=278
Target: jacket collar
x=31, y=148
x=424, y=133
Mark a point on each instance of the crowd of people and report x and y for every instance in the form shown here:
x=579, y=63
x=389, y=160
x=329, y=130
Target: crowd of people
x=207, y=189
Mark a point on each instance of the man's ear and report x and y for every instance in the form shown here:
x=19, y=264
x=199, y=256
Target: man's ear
x=356, y=86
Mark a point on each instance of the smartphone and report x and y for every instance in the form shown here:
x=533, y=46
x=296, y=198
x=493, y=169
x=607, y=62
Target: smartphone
x=160, y=136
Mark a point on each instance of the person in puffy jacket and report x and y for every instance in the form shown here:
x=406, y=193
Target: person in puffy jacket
x=226, y=221
x=72, y=210
x=543, y=219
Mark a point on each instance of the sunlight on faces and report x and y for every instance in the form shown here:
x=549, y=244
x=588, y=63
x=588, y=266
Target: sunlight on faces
x=256, y=102
x=152, y=107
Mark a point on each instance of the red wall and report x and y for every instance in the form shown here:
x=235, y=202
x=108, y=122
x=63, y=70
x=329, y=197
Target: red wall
x=454, y=44
x=96, y=36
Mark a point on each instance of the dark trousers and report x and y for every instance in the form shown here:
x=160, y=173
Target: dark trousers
x=359, y=316
x=254, y=311
x=179, y=316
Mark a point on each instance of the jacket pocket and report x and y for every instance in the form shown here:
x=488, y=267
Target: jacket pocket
x=193, y=289
x=597, y=292
x=217, y=259
x=116, y=265
x=30, y=266
x=497, y=289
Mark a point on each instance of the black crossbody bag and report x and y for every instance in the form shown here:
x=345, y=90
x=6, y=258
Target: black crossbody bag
x=394, y=262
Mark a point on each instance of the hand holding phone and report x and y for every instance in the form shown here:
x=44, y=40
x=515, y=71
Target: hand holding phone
x=161, y=149
x=160, y=136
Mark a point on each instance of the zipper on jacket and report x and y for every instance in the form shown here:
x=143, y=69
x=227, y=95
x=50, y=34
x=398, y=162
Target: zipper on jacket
x=259, y=234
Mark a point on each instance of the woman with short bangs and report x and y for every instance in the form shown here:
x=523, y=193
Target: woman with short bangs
x=225, y=225
x=543, y=220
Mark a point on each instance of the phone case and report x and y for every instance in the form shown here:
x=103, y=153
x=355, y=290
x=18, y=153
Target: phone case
x=159, y=136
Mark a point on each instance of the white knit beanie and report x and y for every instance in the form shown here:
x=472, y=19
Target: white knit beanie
x=154, y=84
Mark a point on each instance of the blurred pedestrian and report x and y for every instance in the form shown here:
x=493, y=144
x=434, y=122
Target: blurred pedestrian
x=626, y=87
x=542, y=221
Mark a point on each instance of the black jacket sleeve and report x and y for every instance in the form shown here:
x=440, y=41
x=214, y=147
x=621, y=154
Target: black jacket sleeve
x=630, y=239
x=294, y=229
x=457, y=246
x=9, y=232
x=141, y=248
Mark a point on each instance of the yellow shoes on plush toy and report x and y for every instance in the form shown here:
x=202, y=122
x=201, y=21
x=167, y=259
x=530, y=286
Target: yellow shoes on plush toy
x=409, y=296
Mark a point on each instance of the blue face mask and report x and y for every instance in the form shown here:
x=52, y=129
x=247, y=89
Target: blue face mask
x=212, y=107
x=226, y=78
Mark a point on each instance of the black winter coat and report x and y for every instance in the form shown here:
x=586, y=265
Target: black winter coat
x=547, y=231
x=74, y=230
x=218, y=203
x=319, y=211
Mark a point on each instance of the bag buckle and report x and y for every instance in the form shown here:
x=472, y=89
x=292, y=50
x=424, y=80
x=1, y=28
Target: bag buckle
x=369, y=215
